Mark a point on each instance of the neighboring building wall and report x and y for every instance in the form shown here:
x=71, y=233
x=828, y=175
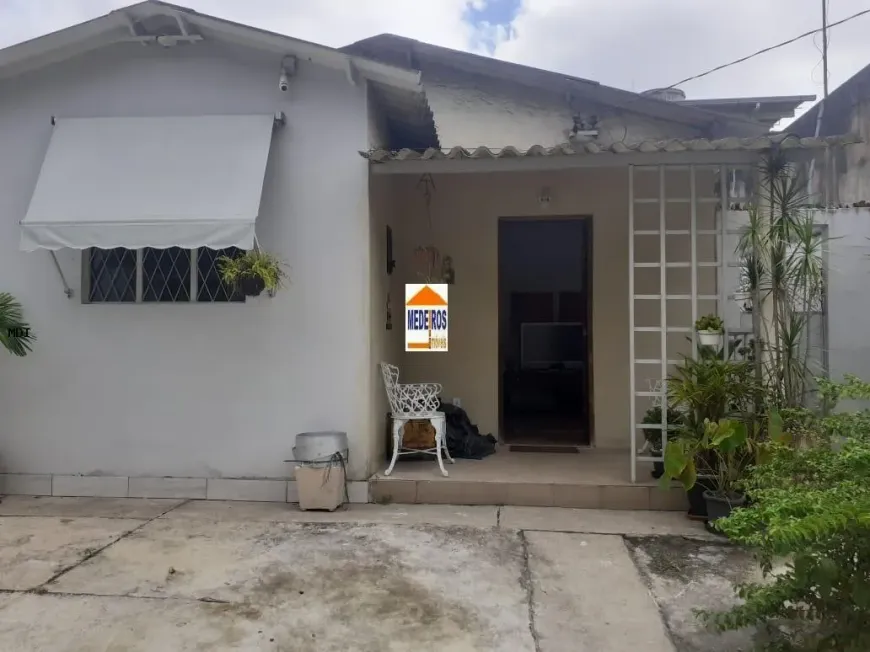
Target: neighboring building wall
x=853, y=166
x=465, y=213
x=848, y=299
x=194, y=390
x=474, y=111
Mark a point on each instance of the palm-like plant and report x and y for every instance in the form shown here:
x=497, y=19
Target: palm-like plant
x=783, y=269
x=15, y=335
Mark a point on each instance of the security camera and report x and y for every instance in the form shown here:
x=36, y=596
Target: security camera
x=283, y=81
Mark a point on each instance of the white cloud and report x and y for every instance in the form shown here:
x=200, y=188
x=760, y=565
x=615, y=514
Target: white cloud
x=640, y=44
x=633, y=44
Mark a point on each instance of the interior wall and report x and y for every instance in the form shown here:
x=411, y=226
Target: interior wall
x=465, y=215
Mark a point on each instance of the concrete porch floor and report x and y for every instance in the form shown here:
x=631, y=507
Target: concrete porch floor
x=590, y=479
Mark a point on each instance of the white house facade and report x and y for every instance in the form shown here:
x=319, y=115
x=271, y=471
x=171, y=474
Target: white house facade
x=137, y=376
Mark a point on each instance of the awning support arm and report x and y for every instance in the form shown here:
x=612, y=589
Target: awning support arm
x=67, y=290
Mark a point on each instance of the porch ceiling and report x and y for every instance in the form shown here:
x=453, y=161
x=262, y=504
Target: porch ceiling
x=575, y=154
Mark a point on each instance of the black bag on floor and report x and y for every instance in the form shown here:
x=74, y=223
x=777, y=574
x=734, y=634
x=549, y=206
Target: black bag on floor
x=464, y=440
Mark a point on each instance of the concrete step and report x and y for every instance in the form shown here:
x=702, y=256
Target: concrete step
x=449, y=491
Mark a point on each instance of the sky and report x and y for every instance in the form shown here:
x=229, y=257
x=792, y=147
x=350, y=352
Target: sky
x=631, y=44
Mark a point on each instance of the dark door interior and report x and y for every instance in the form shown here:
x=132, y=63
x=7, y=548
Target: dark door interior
x=544, y=330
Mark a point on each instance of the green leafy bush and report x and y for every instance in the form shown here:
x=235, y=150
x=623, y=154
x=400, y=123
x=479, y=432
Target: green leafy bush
x=654, y=435
x=252, y=264
x=710, y=323
x=708, y=388
x=811, y=507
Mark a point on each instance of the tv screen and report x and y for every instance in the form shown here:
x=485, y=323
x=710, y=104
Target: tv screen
x=552, y=344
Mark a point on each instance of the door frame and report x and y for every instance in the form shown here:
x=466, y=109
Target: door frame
x=588, y=246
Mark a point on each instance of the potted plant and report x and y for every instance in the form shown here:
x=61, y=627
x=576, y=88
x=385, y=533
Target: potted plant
x=710, y=329
x=653, y=436
x=252, y=272
x=721, y=454
x=702, y=389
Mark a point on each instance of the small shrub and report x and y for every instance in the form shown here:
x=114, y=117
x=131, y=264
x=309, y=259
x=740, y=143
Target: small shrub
x=710, y=323
x=811, y=506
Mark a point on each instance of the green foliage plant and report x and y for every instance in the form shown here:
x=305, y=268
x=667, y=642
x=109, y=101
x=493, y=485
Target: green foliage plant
x=15, y=334
x=710, y=323
x=252, y=264
x=811, y=509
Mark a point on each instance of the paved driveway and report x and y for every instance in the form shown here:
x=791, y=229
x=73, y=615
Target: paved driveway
x=164, y=575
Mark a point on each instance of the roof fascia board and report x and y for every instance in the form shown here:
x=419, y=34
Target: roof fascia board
x=545, y=163
x=115, y=27
x=285, y=45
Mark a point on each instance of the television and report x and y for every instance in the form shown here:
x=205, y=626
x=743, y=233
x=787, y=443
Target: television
x=552, y=344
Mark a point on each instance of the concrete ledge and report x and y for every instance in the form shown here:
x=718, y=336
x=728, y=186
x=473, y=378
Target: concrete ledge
x=90, y=485
x=87, y=486
x=25, y=484
x=167, y=488
x=269, y=491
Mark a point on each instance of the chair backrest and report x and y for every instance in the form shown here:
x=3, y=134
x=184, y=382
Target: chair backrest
x=391, y=380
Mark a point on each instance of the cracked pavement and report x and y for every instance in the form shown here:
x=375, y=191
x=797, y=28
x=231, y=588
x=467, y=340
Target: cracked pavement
x=165, y=575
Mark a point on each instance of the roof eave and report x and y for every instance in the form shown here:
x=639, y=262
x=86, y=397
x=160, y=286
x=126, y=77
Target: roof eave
x=114, y=27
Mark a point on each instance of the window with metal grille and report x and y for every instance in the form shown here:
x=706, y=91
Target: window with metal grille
x=148, y=275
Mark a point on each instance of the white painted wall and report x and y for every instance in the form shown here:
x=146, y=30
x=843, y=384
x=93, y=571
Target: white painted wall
x=848, y=294
x=194, y=390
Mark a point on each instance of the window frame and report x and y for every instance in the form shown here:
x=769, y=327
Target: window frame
x=139, y=282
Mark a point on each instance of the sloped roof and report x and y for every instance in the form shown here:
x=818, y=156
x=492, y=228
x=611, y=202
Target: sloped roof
x=672, y=145
x=120, y=25
x=838, y=107
x=412, y=54
x=767, y=110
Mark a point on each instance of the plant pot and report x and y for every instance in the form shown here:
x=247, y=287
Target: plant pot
x=251, y=286
x=710, y=338
x=719, y=506
x=697, y=504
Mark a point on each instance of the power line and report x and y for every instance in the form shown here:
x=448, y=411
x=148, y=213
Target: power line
x=769, y=49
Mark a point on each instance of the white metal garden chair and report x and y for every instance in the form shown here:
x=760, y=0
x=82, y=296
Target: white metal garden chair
x=412, y=401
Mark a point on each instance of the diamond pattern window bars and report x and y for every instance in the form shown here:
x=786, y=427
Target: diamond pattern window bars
x=171, y=275
x=166, y=275
x=210, y=287
x=112, y=274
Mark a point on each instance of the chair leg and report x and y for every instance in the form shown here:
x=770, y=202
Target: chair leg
x=398, y=425
x=439, y=424
x=444, y=444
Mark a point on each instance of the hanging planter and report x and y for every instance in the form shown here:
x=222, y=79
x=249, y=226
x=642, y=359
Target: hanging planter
x=710, y=330
x=744, y=300
x=252, y=272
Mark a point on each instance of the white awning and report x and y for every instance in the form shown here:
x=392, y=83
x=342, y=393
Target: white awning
x=150, y=182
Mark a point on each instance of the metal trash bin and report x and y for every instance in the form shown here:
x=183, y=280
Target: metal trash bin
x=321, y=476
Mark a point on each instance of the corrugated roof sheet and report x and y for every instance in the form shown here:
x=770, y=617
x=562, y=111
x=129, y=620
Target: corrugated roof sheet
x=757, y=143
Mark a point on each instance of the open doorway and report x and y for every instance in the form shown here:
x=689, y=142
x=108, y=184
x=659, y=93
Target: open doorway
x=544, y=332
